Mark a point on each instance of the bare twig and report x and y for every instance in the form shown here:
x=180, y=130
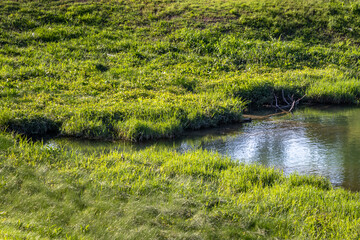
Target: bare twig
x=300, y=98
x=291, y=106
x=282, y=93
x=276, y=104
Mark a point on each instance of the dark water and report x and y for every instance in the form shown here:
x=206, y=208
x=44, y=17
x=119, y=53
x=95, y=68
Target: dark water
x=323, y=141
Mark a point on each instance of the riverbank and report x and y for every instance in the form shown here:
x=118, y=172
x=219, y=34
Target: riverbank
x=138, y=71
x=55, y=193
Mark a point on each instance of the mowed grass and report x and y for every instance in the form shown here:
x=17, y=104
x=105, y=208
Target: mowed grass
x=48, y=192
x=138, y=70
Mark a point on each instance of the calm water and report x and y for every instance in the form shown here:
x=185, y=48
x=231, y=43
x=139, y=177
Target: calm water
x=323, y=141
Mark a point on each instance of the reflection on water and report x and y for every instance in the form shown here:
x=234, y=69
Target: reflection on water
x=322, y=141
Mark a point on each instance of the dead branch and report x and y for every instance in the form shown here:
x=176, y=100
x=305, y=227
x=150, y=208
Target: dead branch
x=291, y=102
x=282, y=93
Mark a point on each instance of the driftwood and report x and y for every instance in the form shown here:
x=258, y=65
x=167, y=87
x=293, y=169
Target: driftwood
x=291, y=103
x=257, y=117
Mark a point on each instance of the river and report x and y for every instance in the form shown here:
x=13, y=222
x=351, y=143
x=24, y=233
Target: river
x=319, y=140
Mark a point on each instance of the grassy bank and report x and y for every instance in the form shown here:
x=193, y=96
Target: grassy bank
x=153, y=194
x=148, y=69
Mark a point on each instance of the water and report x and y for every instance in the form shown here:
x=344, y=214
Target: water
x=323, y=141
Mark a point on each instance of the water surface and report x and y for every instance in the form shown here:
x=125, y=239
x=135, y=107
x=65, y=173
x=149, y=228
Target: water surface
x=323, y=141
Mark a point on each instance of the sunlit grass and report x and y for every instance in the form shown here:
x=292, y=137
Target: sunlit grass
x=141, y=70
x=49, y=192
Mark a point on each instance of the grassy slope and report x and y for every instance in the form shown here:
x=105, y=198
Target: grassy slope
x=146, y=69
x=52, y=193
x=149, y=69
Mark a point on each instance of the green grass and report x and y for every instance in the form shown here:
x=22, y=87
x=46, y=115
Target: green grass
x=48, y=192
x=138, y=70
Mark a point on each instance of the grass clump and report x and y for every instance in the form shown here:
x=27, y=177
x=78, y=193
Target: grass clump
x=49, y=192
x=140, y=70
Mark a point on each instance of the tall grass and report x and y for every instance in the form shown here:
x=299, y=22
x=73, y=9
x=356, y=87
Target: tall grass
x=139, y=70
x=49, y=192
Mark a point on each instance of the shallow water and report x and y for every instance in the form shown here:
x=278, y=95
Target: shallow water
x=323, y=141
